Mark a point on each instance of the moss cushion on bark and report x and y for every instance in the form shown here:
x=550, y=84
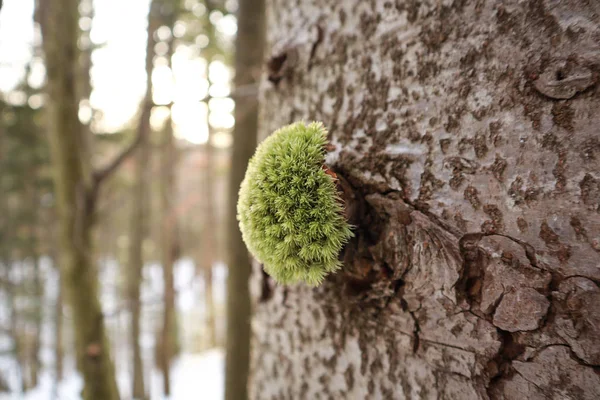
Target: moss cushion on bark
x=289, y=210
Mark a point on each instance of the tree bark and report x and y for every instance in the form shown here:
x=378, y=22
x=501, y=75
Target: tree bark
x=468, y=131
x=248, y=59
x=75, y=198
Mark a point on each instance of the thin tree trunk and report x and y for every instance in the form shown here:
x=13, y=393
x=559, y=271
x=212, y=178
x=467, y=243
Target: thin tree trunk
x=211, y=338
x=37, y=289
x=14, y=328
x=210, y=231
x=209, y=242
x=135, y=274
x=75, y=196
x=139, y=213
x=469, y=133
x=59, y=353
x=169, y=239
x=136, y=261
x=168, y=256
x=248, y=59
x=38, y=315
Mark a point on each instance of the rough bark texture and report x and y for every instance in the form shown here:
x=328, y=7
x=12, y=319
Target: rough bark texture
x=248, y=59
x=469, y=132
x=75, y=199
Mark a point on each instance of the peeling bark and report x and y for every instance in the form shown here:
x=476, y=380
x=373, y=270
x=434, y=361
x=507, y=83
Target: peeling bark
x=468, y=130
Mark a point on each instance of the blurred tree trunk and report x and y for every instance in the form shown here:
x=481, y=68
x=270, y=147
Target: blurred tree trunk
x=248, y=60
x=14, y=328
x=136, y=261
x=209, y=244
x=469, y=133
x=211, y=229
x=38, y=318
x=58, y=329
x=76, y=189
x=139, y=212
x=169, y=239
x=211, y=338
x=37, y=289
x=169, y=254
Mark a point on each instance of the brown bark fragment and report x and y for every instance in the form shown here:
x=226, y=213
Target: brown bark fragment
x=521, y=310
x=578, y=317
x=556, y=373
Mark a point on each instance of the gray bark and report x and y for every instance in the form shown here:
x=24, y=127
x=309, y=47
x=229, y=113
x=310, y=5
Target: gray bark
x=468, y=130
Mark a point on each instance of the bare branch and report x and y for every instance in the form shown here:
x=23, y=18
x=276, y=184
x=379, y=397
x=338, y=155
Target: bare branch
x=102, y=174
x=142, y=130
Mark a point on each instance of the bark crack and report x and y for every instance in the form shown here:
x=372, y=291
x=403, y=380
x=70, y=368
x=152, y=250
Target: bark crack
x=534, y=384
x=416, y=331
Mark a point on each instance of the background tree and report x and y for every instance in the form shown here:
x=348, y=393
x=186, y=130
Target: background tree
x=169, y=227
x=248, y=59
x=76, y=187
x=25, y=183
x=200, y=39
x=139, y=211
x=468, y=132
x=213, y=50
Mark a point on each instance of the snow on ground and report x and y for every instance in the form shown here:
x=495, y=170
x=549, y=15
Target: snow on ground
x=194, y=376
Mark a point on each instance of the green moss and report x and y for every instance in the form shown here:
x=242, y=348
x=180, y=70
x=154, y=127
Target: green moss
x=289, y=211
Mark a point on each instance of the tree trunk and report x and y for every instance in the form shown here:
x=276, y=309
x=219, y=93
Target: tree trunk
x=38, y=319
x=211, y=337
x=469, y=133
x=136, y=261
x=209, y=243
x=59, y=352
x=36, y=286
x=14, y=329
x=75, y=198
x=169, y=255
x=139, y=213
x=169, y=239
x=248, y=59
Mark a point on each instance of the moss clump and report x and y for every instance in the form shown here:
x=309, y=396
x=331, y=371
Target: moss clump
x=289, y=210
